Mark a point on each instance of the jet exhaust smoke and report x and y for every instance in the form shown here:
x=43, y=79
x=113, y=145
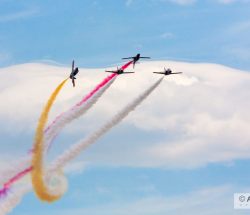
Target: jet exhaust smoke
x=68, y=155
x=37, y=159
x=51, y=132
x=23, y=168
x=62, y=160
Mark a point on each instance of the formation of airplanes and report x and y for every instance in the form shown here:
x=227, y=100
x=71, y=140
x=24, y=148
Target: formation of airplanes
x=120, y=71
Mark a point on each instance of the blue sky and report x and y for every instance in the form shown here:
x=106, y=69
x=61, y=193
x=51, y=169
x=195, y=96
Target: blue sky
x=98, y=34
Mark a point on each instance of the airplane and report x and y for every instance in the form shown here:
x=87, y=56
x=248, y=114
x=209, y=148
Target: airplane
x=73, y=73
x=167, y=72
x=118, y=71
x=135, y=58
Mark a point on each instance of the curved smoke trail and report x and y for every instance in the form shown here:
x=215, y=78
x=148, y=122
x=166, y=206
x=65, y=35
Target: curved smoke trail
x=73, y=151
x=9, y=197
x=37, y=158
x=53, y=129
x=77, y=110
x=39, y=185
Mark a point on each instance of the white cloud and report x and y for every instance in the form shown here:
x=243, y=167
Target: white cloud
x=203, y=113
x=195, y=203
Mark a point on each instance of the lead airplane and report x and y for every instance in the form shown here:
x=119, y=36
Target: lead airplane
x=135, y=58
x=73, y=73
x=168, y=72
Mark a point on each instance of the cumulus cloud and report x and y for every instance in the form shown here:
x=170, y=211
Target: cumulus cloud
x=194, y=203
x=199, y=117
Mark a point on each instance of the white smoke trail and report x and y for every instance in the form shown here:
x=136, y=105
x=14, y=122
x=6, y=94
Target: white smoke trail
x=14, y=168
x=68, y=155
x=13, y=199
x=54, y=130
x=74, y=113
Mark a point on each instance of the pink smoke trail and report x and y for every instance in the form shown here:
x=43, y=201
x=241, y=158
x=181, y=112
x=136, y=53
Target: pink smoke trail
x=105, y=81
x=6, y=186
x=12, y=200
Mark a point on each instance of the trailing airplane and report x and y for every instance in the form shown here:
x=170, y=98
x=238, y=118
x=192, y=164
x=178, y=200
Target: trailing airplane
x=167, y=72
x=73, y=73
x=135, y=58
x=118, y=71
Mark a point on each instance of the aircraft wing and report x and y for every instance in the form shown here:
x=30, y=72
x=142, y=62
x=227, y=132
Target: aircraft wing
x=176, y=73
x=127, y=72
x=160, y=73
x=127, y=58
x=111, y=71
x=145, y=57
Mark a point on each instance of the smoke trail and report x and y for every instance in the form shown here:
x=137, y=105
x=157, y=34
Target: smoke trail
x=37, y=159
x=57, y=125
x=6, y=186
x=13, y=169
x=39, y=185
x=75, y=149
x=68, y=155
x=13, y=199
x=66, y=117
x=79, y=109
x=54, y=128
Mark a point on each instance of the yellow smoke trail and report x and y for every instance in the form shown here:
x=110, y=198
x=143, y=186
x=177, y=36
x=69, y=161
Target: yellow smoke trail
x=37, y=173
